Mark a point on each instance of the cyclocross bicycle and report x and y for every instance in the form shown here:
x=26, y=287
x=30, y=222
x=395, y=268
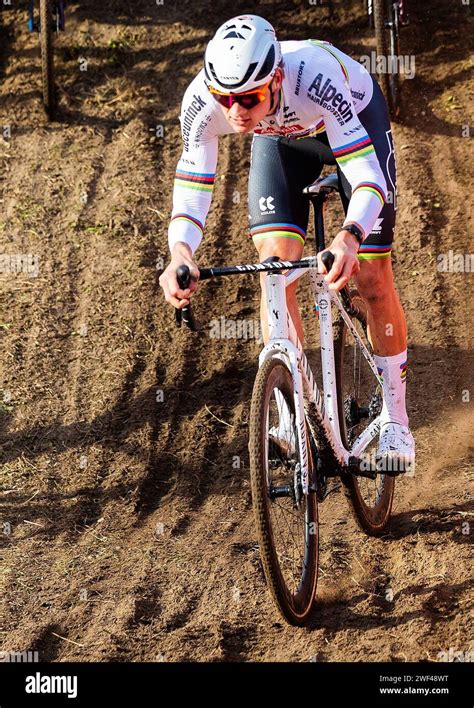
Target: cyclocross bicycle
x=299, y=437
x=49, y=20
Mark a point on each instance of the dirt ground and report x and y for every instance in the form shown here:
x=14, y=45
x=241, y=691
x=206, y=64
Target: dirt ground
x=127, y=524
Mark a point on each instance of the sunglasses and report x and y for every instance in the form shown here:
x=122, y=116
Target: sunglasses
x=250, y=99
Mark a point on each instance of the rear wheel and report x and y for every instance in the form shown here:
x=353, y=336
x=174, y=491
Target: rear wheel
x=359, y=402
x=286, y=519
x=47, y=64
x=386, y=25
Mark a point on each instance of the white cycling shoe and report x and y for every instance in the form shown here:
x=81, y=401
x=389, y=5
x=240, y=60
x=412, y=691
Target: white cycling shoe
x=396, y=451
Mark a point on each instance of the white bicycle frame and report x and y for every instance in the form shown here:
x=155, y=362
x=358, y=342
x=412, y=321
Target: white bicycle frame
x=284, y=343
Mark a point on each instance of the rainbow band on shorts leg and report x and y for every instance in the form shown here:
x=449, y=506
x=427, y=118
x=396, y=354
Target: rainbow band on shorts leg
x=278, y=230
x=368, y=252
x=403, y=371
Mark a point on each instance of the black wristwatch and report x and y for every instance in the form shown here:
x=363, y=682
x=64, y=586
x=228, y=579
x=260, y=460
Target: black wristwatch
x=355, y=231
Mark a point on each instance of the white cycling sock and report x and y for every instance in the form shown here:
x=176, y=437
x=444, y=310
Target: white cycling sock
x=393, y=370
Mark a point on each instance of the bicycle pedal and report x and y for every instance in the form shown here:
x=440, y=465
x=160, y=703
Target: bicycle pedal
x=354, y=467
x=394, y=467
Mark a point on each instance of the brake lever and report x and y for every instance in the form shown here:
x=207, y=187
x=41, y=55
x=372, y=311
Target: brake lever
x=185, y=314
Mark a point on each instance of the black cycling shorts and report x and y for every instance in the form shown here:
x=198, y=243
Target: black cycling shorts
x=281, y=167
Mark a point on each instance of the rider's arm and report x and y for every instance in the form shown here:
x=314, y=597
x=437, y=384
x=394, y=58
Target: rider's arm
x=192, y=193
x=355, y=155
x=195, y=172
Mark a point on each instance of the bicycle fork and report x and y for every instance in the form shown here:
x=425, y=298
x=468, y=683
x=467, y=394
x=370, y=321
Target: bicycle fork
x=279, y=340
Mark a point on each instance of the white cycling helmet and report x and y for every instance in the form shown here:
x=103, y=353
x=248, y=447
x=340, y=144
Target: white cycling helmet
x=243, y=54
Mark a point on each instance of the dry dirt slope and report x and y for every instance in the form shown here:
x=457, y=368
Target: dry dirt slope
x=131, y=528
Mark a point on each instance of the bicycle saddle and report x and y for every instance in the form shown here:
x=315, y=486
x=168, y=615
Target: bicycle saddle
x=329, y=183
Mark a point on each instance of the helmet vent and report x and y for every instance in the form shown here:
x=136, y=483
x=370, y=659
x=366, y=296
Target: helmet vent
x=234, y=34
x=267, y=65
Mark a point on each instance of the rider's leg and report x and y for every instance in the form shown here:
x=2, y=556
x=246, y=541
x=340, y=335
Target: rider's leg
x=286, y=249
x=387, y=328
x=387, y=325
x=388, y=334
x=386, y=321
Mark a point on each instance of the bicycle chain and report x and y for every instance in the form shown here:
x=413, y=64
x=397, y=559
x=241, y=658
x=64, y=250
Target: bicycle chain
x=326, y=453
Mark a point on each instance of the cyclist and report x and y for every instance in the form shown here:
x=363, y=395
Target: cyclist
x=308, y=104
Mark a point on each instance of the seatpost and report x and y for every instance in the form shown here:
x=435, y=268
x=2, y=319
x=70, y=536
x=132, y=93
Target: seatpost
x=318, y=201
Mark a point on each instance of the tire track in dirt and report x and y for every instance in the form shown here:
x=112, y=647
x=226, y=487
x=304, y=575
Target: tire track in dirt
x=125, y=392
x=35, y=430
x=87, y=395
x=130, y=605
x=189, y=521
x=193, y=353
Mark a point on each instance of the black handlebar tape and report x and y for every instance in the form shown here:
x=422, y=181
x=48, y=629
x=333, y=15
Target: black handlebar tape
x=328, y=260
x=185, y=314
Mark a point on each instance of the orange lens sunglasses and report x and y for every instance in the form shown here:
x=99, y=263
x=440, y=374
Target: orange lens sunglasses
x=249, y=99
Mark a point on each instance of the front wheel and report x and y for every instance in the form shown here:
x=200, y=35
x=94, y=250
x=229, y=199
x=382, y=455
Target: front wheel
x=47, y=65
x=286, y=519
x=359, y=401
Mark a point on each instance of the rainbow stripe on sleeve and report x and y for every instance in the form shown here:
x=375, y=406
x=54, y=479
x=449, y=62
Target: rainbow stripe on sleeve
x=190, y=219
x=358, y=148
x=324, y=45
x=203, y=181
x=371, y=187
x=319, y=128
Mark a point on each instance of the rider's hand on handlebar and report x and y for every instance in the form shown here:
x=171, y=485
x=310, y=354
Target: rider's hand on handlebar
x=181, y=255
x=345, y=248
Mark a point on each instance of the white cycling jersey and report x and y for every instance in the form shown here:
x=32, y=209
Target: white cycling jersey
x=323, y=89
